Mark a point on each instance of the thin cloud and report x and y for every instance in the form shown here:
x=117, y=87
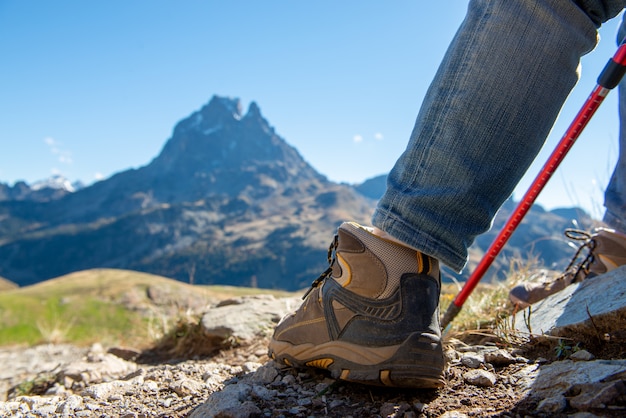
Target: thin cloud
x=359, y=138
x=63, y=156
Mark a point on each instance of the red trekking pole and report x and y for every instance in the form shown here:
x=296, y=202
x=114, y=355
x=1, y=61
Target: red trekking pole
x=608, y=79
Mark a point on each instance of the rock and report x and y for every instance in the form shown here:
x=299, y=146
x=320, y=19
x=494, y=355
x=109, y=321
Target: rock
x=552, y=405
x=479, y=377
x=581, y=355
x=598, y=395
x=186, y=387
x=125, y=353
x=472, y=360
x=70, y=405
x=106, y=389
x=97, y=367
x=569, y=312
x=499, y=357
x=582, y=380
x=247, y=317
x=45, y=358
x=265, y=374
x=525, y=377
x=229, y=403
x=394, y=410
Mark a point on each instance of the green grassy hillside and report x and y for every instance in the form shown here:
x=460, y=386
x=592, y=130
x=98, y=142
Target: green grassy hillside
x=122, y=307
x=105, y=305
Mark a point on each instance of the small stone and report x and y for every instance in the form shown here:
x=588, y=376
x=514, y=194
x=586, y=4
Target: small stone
x=249, y=367
x=125, y=353
x=480, y=378
x=304, y=402
x=92, y=406
x=582, y=355
x=56, y=389
x=321, y=387
x=289, y=380
x=335, y=403
x=472, y=360
x=265, y=374
x=187, y=387
x=552, y=405
x=394, y=410
x=419, y=407
x=262, y=392
x=150, y=386
x=499, y=357
x=71, y=404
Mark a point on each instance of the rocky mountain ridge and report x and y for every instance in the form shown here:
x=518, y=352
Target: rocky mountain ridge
x=227, y=200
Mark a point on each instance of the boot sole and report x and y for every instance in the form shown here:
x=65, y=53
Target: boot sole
x=416, y=363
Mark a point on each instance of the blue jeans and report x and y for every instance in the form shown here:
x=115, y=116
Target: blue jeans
x=615, y=194
x=484, y=118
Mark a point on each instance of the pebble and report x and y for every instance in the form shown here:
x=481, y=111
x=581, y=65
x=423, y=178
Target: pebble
x=480, y=378
x=472, y=360
x=582, y=355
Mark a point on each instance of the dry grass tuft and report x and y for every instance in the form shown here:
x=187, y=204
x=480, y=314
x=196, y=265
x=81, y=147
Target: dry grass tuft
x=488, y=314
x=185, y=339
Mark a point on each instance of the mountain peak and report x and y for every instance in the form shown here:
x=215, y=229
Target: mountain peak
x=220, y=150
x=226, y=106
x=253, y=110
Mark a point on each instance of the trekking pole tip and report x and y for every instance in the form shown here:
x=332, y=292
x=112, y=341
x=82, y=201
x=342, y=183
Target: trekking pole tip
x=450, y=314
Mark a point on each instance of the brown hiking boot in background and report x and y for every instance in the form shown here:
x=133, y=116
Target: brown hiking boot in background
x=601, y=252
x=372, y=317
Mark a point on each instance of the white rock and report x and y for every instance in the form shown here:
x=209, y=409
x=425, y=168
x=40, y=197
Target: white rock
x=480, y=377
x=568, y=311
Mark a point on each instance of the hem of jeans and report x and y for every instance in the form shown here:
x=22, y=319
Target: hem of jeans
x=419, y=240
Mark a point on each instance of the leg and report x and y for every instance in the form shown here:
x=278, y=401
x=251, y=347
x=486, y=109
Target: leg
x=489, y=109
x=373, y=315
x=615, y=194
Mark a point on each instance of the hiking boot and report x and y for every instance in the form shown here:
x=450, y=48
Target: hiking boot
x=372, y=317
x=601, y=252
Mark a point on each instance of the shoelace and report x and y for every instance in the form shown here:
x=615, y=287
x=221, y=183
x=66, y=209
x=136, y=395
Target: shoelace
x=589, y=244
x=331, y=257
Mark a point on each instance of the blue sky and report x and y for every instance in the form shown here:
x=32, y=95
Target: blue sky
x=91, y=88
